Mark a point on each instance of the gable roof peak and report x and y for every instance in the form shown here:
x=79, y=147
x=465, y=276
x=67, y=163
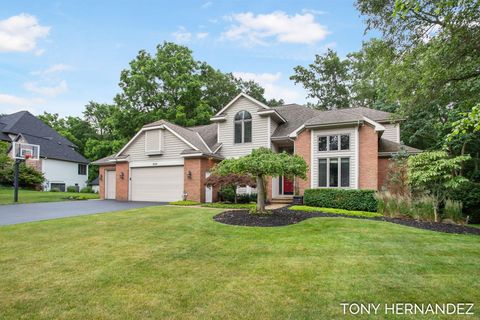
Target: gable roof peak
x=241, y=95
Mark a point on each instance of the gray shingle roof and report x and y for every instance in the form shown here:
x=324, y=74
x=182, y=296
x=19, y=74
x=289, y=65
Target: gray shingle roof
x=296, y=115
x=52, y=144
x=187, y=134
x=348, y=115
x=388, y=146
x=208, y=133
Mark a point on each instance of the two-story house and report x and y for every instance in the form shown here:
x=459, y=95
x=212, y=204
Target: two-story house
x=60, y=163
x=347, y=148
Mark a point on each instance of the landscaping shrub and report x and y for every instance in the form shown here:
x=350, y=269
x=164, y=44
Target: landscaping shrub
x=72, y=189
x=247, y=198
x=54, y=190
x=87, y=190
x=226, y=195
x=360, y=200
x=469, y=195
x=453, y=211
x=395, y=206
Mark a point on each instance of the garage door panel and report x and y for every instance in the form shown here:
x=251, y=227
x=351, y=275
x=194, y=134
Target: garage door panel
x=157, y=184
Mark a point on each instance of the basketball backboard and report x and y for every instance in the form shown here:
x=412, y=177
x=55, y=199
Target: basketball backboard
x=24, y=151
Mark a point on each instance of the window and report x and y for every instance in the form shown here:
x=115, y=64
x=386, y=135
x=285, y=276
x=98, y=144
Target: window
x=243, y=127
x=334, y=172
x=322, y=172
x=344, y=142
x=345, y=172
x=322, y=143
x=82, y=169
x=334, y=142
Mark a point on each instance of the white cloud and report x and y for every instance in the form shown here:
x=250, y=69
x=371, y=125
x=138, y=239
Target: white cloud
x=207, y=4
x=18, y=103
x=56, y=68
x=202, y=35
x=271, y=82
x=258, y=29
x=20, y=34
x=313, y=11
x=182, y=35
x=49, y=91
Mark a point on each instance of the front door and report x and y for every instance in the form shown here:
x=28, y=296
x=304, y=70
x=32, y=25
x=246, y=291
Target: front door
x=287, y=186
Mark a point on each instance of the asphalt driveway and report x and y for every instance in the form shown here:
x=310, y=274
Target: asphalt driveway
x=19, y=213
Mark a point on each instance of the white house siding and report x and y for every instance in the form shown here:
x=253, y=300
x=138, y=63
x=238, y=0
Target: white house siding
x=352, y=131
x=260, y=127
x=392, y=132
x=58, y=171
x=172, y=148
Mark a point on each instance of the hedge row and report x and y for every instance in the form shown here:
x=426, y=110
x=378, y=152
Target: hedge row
x=348, y=199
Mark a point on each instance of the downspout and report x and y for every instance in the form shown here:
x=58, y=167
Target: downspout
x=357, y=155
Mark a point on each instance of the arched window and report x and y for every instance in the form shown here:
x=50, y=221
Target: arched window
x=243, y=127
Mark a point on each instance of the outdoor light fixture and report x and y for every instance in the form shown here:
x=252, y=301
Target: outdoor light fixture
x=122, y=175
x=189, y=174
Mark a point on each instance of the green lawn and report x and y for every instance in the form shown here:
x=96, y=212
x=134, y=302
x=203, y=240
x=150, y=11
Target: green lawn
x=177, y=263
x=29, y=196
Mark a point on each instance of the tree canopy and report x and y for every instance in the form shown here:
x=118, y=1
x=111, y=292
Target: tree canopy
x=263, y=163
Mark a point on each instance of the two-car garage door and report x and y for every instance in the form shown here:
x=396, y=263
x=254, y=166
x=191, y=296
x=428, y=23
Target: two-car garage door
x=156, y=184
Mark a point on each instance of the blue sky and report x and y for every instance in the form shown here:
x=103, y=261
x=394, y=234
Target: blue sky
x=56, y=56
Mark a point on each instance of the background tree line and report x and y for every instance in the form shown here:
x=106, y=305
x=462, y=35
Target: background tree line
x=425, y=68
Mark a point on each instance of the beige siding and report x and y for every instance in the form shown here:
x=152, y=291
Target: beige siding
x=259, y=130
x=172, y=147
x=335, y=154
x=273, y=127
x=392, y=132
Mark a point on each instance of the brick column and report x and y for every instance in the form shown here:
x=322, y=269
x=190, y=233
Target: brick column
x=101, y=179
x=368, y=158
x=122, y=184
x=383, y=167
x=303, y=149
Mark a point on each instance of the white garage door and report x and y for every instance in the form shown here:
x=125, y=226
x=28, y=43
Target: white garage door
x=110, y=185
x=157, y=184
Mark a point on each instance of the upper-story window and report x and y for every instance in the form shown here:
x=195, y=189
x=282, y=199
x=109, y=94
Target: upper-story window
x=243, y=127
x=334, y=142
x=82, y=169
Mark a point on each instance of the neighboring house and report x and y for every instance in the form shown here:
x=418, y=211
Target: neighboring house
x=94, y=185
x=60, y=163
x=347, y=148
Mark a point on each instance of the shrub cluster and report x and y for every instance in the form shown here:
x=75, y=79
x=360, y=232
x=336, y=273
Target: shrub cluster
x=469, y=195
x=348, y=199
x=228, y=195
x=72, y=189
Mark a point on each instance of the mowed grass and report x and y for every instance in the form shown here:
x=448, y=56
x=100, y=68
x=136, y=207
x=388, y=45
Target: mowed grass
x=177, y=263
x=29, y=196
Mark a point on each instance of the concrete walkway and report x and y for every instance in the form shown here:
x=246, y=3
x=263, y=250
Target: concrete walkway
x=19, y=213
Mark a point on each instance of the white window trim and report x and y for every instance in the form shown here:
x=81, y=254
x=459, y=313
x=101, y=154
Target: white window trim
x=339, y=142
x=339, y=172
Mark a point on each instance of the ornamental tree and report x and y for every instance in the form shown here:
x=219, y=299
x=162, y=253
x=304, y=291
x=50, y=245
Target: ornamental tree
x=263, y=163
x=435, y=173
x=231, y=180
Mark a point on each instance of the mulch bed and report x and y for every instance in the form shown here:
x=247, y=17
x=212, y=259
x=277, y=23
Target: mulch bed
x=284, y=216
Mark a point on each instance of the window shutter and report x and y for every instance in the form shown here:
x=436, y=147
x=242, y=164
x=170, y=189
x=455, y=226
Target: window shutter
x=153, y=140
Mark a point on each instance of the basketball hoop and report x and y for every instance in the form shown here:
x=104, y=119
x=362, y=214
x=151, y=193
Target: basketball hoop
x=21, y=152
x=27, y=156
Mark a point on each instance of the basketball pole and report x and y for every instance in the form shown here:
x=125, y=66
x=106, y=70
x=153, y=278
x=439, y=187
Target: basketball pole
x=15, y=180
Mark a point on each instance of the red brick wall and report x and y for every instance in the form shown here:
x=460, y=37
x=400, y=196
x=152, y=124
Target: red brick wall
x=101, y=180
x=368, y=158
x=36, y=164
x=122, y=184
x=195, y=185
x=383, y=164
x=303, y=149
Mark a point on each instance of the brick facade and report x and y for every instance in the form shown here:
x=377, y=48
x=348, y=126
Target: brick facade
x=122, y=184
x=368, y=158
x=101, y=180
x=303, y=149
x=194, y=184
x=383, y=166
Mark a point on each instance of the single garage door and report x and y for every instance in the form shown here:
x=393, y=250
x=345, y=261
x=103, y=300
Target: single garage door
x=157, y=184
x=110, y=184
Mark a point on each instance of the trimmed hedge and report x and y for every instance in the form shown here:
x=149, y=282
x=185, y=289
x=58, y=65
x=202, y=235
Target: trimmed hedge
x=348, y=199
